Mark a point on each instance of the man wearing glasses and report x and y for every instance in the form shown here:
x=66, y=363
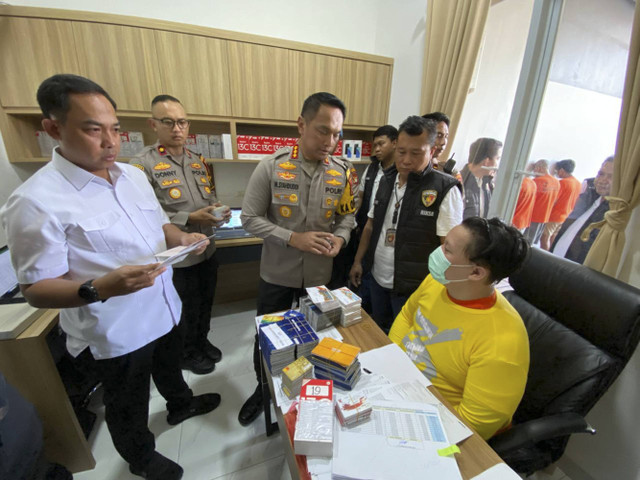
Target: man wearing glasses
x=184, y=186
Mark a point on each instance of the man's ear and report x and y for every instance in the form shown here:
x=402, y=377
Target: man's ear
x=152, y=124
x=52, y=127
x=301, y=124
x=479, y=274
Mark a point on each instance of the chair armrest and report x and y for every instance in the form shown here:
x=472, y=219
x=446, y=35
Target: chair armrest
x=529, y=433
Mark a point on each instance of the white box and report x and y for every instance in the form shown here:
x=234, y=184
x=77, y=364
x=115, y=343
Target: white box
x=202, y=143
x=357, y=150
x=347, y=149
x=227, y=151
x=215, y=146
x=136, y=142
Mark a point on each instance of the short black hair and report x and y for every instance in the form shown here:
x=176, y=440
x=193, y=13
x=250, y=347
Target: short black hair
x=495, y=245
x=388, y=130
x=313, y=103
x=567, y=165
x=483, y=148
x=438, y=117
x=415, y=125
x=53, y=94
x=164, y=98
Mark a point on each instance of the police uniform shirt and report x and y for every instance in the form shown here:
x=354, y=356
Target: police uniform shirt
x=182, y=185
x=67, y=221
x=287, y=194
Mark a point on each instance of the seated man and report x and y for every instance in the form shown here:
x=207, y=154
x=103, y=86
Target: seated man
x=462, y=333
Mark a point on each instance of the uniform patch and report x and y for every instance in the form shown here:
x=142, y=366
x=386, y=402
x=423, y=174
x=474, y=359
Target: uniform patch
x=328, y=214
x=333, y=173
x=428, y=197
x=161, y=166
x=137, y=165
x=286, y=185
x=285, y=211
x=353, y=180
x=427, y=213
x=289, y=198
x=166, y=183
x=329, y=202
x=203, y=180
x=333, y=190
x=326, y=161
x=347, y=201
x=287, y=165
x=333, y=181
x=294, y=198
x=170, y=173
x=175, y=193
x=161, y=150
x=207, y=189
x=196, y=165
x=287, y=175
x=294, y=152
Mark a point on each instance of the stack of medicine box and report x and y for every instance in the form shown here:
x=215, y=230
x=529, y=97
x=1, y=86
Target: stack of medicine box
x=284, y=341
x=352, y=409
x=351, y=306
x=337, y=361
x=314, y=424
x=293, y=375
x=317, y=319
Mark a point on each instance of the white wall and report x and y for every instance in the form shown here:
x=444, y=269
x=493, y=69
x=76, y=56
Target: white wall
x=488, y=108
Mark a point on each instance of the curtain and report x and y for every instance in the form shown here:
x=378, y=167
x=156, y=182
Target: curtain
x=606, y=251
x=453, y=38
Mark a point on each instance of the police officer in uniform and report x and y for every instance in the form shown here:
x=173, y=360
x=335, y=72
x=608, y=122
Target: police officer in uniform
x=185, y=188
x=301, y=202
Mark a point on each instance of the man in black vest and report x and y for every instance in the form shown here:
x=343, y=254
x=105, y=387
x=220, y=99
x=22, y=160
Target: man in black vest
x=414, y=208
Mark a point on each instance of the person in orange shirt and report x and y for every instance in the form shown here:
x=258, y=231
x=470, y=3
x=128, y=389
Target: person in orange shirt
x=546, y=195
x=524, y=207
x=567, y=198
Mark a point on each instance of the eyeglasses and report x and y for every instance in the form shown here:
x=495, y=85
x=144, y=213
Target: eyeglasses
x=169, y=123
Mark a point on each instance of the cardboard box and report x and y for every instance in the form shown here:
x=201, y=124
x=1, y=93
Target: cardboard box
x=227, y=150
x=347, y=149
x=215, y=146
x=314, y=425
x=202, y=142
x=357, y=150
x=367, y=149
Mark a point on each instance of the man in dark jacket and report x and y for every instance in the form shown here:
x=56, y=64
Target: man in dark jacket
x=477, y=176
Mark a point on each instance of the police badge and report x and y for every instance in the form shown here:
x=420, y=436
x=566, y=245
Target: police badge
x=428, y=197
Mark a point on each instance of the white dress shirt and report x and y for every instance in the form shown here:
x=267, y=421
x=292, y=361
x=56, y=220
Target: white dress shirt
x=65, y=220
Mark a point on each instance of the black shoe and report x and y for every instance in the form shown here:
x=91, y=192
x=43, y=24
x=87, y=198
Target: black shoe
x=211, y=351
x=199, y=405
x=198, y=363
x=158, y=468
x=252, y=408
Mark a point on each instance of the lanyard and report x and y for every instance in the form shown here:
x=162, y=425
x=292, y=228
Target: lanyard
x=396, y=207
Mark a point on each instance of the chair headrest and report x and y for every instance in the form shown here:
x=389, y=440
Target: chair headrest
x=603, y=310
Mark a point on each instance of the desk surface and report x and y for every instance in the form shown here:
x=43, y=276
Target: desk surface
x=476, y=455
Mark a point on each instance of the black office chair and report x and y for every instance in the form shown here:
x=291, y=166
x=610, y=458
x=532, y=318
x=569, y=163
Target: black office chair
x=583, y=327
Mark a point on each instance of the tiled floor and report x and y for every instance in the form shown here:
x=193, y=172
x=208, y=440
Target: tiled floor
x=212, y=446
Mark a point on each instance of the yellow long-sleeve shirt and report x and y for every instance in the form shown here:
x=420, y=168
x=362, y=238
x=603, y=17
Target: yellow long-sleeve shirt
x=477, y=358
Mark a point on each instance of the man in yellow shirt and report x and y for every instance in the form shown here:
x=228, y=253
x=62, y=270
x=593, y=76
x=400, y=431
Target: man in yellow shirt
x=462, y=333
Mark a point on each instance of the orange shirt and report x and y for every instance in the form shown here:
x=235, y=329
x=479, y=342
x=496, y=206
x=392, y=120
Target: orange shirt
x=546, y=195
x=524, y=207
x=567, y=198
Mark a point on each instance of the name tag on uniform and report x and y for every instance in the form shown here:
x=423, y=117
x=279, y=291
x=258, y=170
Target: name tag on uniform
x=427, y=213
x=390, y=237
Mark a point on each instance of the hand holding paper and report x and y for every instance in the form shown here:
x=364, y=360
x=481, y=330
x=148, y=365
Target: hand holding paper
x=177, y=254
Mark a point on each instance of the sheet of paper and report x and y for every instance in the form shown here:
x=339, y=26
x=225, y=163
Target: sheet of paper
x=331, y=332
x=409, y=433
x=8, y=279
x=177, y=254
x=500, y=471
x=393, y=363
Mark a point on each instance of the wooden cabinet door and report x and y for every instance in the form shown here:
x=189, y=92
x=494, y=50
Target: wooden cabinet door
x=122, y=60
x=32, y=50
x=260, y=81
x=194, y=69
x=368, y=98
x=311, y=73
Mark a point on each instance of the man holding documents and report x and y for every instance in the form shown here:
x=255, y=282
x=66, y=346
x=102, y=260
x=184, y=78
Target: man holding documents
x=83, y=232
x=462, y=333
x=184, y=186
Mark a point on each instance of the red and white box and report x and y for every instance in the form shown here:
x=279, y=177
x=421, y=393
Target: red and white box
x=367, y=149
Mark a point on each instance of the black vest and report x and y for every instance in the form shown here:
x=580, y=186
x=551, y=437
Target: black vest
x=416, y=235
x=372, y=172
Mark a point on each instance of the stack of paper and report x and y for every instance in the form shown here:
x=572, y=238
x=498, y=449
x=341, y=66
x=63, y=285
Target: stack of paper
x=337, y=361
x=293, y=375
x=323, y=298
x=314, y=425
x=282, y=342
x=352, y=409
x=351, y=306
x=318, y=319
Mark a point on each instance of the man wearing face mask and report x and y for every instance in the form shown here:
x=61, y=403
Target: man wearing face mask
x=477, y=176
x=462, y=333
x=414, y=209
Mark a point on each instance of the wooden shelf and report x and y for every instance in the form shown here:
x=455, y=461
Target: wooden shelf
x=209, y=160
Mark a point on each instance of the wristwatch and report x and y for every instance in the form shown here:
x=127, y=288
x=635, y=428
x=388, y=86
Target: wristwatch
x=88, y=292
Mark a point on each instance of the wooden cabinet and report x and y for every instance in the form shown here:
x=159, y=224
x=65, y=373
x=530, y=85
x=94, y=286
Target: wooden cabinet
x=122, y=60
x=32, y=49
x=260, y=81
x=194, y=69
x=369, y=85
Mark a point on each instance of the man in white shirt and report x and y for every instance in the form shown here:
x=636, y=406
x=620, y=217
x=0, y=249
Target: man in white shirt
x=414, y=209
x=83, y=232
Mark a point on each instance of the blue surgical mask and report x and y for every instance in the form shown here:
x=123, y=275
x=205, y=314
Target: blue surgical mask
x=438, y=265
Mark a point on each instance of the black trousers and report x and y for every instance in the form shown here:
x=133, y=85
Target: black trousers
x=126, y=383
x=272, y=298
x=196, y=286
